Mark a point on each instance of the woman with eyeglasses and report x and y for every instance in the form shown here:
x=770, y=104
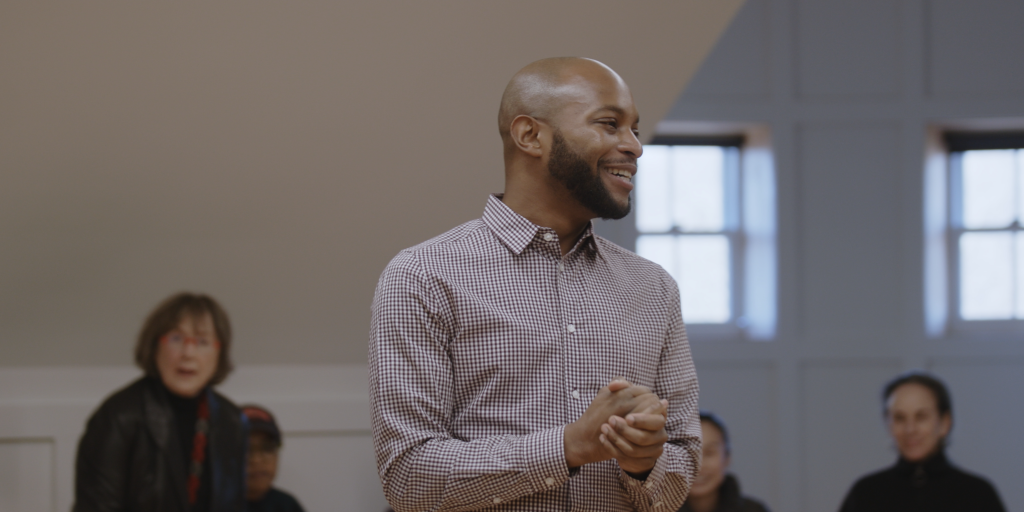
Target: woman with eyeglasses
x=167, y=442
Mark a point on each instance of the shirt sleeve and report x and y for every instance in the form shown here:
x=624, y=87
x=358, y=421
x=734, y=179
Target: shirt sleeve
x=669, y=482
x=421, y=465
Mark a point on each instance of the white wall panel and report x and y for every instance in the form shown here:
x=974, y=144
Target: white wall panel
x=26, y=475
x=845, y=49
x=850, y=239
x=974, y=48
x=743, y=395
x=332, y=472
x=843, y=434
x=988, y=419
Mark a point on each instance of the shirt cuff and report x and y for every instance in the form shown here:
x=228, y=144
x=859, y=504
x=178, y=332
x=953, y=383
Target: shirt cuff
x=547, y=467
x=646, y=494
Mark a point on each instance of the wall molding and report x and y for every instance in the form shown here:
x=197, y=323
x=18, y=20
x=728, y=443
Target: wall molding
x=51, y=404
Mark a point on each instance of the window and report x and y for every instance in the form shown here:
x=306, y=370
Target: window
x=705, y=212
x=687, y=222
x=986, y=213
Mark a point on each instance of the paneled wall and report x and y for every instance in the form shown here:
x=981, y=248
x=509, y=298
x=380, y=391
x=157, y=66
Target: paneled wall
x=327, y=460
x=848, y=90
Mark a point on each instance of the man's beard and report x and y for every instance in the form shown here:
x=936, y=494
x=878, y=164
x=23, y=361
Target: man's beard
x=586, y=186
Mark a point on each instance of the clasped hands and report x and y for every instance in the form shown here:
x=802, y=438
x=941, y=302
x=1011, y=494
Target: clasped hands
x=625, y=423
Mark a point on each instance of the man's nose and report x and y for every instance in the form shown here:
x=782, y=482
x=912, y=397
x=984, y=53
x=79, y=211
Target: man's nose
x=630, y=144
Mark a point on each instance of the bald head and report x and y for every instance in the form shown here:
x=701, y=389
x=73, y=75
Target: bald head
x=542, y=88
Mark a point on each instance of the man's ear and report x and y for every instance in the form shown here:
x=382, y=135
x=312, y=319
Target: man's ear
x=525, y=133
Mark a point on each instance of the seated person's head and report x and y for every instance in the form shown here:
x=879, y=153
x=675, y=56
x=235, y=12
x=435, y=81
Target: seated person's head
x=918, y=414
x=186, y=344
x=715, y=458
x=264, y=444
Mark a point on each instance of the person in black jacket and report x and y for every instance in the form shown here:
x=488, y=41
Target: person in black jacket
x=919, y=414
x=714, y=489
x=167, y=442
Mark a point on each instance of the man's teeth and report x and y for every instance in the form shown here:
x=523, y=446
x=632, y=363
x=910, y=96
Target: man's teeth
x=622, y=174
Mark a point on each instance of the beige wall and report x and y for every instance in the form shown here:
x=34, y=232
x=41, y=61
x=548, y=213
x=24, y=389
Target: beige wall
x=273, y=154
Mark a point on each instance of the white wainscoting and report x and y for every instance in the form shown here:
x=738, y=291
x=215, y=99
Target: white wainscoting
x=327, y=461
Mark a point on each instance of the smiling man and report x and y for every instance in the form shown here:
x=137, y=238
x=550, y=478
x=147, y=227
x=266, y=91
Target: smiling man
x=519, y=361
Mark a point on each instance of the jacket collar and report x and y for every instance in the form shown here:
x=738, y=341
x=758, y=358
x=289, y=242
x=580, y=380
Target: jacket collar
x=160, y=423
x=517, y=233
x=729, y=493
x=921, y=472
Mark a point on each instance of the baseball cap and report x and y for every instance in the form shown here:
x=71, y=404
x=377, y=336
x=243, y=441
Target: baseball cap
x=260, y=420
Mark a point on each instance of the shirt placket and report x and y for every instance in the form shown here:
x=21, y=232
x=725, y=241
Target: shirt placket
x=571, y=302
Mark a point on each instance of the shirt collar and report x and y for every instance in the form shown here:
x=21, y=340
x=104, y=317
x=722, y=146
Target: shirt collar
x=516, y=232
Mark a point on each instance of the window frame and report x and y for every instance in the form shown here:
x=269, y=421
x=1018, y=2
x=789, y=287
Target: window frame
x=733, y=228
x=956, y=143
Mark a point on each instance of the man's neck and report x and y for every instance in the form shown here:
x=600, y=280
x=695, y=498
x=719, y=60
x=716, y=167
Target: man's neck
x=550, y=211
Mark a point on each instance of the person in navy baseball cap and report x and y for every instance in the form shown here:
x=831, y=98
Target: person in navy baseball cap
x=264, y=449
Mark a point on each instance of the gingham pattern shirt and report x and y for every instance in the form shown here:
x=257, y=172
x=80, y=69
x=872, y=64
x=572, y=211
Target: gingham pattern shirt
x=486, y=341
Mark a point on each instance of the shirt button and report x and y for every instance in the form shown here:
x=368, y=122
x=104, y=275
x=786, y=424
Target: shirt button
x=549, y=237
x=549, y=481
x=571, y=328
x=497, y=500
x=561, y=267
x=575, y=394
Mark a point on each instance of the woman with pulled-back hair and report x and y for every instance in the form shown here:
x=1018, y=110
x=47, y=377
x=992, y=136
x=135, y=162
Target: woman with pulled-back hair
x=715, y=489
x=919, y=415
x=167, y=442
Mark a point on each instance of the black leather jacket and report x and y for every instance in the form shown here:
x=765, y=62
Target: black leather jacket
x=129, y=458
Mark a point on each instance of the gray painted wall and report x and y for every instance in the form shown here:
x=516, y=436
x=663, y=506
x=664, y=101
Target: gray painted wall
x=849, y=90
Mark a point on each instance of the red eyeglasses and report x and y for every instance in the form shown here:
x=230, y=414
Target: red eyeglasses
x=177, y=340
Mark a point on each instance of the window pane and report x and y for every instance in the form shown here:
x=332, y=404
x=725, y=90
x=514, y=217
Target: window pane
x=1019, y=295
x=986, y=267
x=1020, y=186
x=659, y=249
x=653, y=199
x=699, y=187
x=988, y=188
x=703, y=263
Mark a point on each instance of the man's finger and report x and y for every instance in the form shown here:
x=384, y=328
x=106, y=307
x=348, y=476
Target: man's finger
x=623, y=446
x=641, y=438
x=630, y=389
x=612, y=450
x=650, y=422
x=631, y=450
x=624, y=451
x=647, y=404
x=650, y=407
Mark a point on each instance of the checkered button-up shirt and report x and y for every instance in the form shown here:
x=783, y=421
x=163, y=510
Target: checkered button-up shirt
x=486, y=341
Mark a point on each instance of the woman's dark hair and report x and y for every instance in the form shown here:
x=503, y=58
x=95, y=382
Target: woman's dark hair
x=713, y=419
x=932, y=383
x=166, y=318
